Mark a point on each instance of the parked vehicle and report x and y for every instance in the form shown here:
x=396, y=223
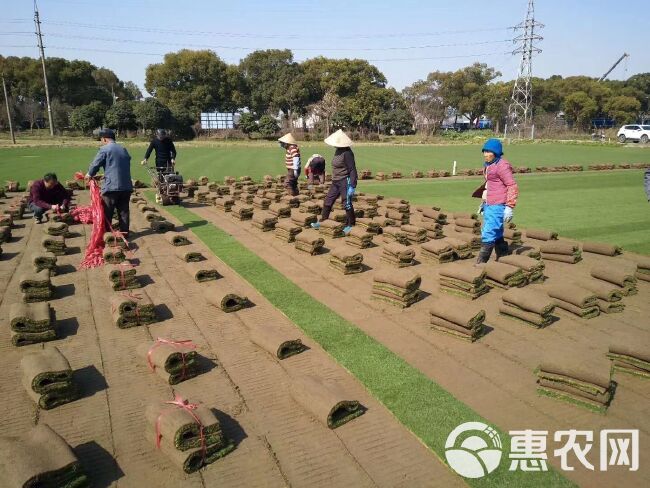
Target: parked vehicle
x=634, y=132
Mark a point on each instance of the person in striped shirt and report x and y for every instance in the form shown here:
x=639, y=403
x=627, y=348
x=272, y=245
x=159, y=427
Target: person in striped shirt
x=291, y=162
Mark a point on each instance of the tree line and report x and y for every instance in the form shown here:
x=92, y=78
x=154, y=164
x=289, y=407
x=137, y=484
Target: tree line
x=338, y=93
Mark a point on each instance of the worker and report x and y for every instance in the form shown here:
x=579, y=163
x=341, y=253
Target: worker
x=116, y=187
x=344, y=179
x=48, y=194
x=291, y=162
x=165, y=151
x=499, y=200
x=315, y=169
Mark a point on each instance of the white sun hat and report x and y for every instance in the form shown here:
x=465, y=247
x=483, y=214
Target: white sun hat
x=288, y=139
x=338, y=139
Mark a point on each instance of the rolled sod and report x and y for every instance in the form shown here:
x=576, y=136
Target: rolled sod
x=331, y=228
x=128, y=312
x=222, y=296
x=541, y=235
x=202, y=272
x=47, y=378
x=31, y=317
x=286, y=230
x=610, y=307
x=276, y=341
x=602, y=289
x=460, y=247
x=618, y=275
x=57, y=229
x=573, y=381
x=36, y=286
x=54, y=244
x=242, y=212
x=114, y=240
x=601, y=248
x=190, y=255
x=179, y=240
x=113, y=255
x=395, y=234
x=39, y=458
x=161, y=226
x=153, y=216
x=309, y=241
x=532, y=268
x=504, y=275
x=528, y=318
x=630, y=354
x=180, y=430
x=19, y=339
x=326, y=401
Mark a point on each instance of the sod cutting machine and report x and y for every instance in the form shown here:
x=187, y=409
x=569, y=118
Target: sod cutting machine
x=168, y=183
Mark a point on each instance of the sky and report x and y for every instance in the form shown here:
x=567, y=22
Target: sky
x=405, y=39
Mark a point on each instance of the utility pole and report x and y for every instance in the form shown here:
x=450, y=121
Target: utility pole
x=11, y=126
x=520, y=114
x=39, y=38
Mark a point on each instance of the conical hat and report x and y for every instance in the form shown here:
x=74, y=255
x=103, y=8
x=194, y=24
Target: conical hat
x=288, y=139
x=338, y=139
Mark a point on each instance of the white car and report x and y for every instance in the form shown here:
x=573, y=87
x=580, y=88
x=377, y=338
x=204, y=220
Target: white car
x=634, y=132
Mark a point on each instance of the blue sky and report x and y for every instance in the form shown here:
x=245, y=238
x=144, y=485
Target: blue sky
x=406, y=39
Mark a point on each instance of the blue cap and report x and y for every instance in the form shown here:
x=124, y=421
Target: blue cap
x=494, y=146
x=105, y=132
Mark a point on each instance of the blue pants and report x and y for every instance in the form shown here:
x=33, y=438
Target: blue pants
x=492, y=223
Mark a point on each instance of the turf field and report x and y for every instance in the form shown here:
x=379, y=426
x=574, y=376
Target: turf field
x=604, y=206
x=258, y=159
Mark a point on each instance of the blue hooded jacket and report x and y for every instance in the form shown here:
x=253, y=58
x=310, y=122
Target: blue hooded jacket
x=116, y=162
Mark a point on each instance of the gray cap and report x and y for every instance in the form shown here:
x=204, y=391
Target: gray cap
x=105, y=132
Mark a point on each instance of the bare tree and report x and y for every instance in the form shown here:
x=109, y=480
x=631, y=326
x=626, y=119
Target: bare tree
x=426, y=103
x=326, y=108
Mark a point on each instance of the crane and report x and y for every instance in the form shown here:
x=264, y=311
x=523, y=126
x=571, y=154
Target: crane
x=625, y=55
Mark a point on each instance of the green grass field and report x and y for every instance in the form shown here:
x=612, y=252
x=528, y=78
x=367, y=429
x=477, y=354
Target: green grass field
x=608, y=206
x=602, y=206
x=258, y=159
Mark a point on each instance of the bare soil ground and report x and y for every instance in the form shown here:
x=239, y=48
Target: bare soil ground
x=494, y=376
x=278, y=443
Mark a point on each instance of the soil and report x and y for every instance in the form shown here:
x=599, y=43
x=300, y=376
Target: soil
x=278, y=443
x=494, y=376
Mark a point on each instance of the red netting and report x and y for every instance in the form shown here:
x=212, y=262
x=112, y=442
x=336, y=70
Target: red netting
x=92, y=214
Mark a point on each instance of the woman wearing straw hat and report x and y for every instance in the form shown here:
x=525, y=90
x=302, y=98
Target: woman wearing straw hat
x=344, y=179
x=291, y=162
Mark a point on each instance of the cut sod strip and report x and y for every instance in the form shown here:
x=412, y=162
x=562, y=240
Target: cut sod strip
x=425, y=408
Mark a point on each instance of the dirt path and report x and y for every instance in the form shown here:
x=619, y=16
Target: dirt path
x=494, y=376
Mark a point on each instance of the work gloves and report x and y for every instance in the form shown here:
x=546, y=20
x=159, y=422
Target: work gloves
x=507, y=214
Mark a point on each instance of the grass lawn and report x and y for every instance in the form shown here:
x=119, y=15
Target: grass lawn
x=601, y=206
x=607, y=206
x=257, y=159
x=428, y=410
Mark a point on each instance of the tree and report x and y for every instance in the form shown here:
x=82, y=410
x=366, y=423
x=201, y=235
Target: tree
x=247, y=124
x=580, y=108
x=131, y=91
x=151, y=114
x=197, y=81
x=120, y=115
x=498, y=101
x=425, y=102
x=274, y=82
x=466, y=89
x=88, y=117
x=267, y=126
x=397, y=120
x=326, y=108
x=342, y=77
x=623, y=109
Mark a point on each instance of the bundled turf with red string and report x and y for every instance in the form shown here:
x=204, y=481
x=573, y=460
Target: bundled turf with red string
x=93, y=214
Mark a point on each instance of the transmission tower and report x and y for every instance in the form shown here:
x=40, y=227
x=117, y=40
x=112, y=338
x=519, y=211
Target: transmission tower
x=520, y=110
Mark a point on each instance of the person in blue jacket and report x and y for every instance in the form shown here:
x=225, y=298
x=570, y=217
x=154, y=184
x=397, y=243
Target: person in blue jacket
x=117, y=186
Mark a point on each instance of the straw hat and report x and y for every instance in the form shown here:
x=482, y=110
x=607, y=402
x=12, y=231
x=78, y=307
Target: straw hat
x=338, y=139
x=288, y=139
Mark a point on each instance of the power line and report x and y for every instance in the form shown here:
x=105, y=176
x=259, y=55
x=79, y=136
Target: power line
x=267, y=36
x=252, y=48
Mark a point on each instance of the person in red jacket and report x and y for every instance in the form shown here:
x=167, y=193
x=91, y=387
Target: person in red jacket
x=48, y=194
x=500, y=198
